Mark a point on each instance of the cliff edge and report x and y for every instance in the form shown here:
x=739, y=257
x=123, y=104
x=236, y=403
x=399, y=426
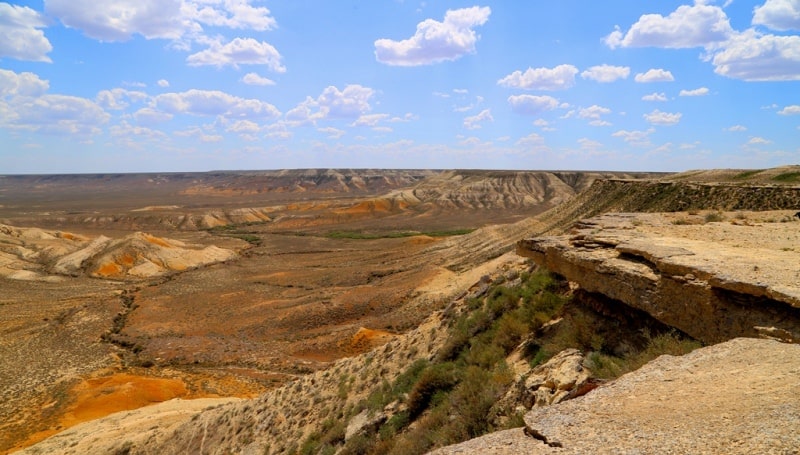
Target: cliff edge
x=714, y=276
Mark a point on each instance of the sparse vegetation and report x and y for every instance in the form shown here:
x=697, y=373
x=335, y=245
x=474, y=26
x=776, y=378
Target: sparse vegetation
x=357, y=235
x=787, y=177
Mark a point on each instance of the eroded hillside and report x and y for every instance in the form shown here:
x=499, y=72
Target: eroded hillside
x=375, y=280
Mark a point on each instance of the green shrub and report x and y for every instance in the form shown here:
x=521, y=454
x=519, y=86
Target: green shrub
x=441, y=377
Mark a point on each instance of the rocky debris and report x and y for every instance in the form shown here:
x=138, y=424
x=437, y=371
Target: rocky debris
x=35, y=254
x=712, y=287
x=561, y=378
x=737, y=397
x=364, y=422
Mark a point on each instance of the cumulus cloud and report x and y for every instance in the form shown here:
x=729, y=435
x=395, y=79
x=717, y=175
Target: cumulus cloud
x=370, y=119
x=559, y=78
x=531, y=139
x=163, y=83
x=118, y=98
x=214, y=103
x=755, y=140
x=435, y=41
x=256, y=79
x=593, y=112
x=702, y=91
x=637, y=138
x=121, y=19
x=57, y=114
x=751, y=56
x=167, y=19
x=663, y=118
x=20, y=34
x=790, y=110
x=531, y=104
x=148, y=116
x=351, y=102
x=736, y=128
x=778, y=15
x=240, y=51
x=22, y=84
x=698, y=25
x=25, y=105
x=655, y=97
x=606, y=73
x=333, y=133
x=654, y=75
x=475, y=122
x=235, y=14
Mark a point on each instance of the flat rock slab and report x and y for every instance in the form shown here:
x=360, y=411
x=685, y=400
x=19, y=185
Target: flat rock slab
x=712, y=280
x=737, y=397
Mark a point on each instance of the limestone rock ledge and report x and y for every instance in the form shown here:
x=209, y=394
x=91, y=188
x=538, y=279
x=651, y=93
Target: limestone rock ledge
x=713, y=281
x=737, y=397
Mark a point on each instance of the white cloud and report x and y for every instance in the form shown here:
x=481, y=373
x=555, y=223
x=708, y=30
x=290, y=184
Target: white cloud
x=460, y=91
x=370, y=119
x=382, y=129
x=593, y=112
x=637, y=138
x=702, y=91
x=25, y=105
x=559, y=78
x=531, y=104
x=352, y=102
x=333, y=133
x=244, y=127
x=778, y=15
x=755, y=140
x=163, y=83
x=663, y=118
x=118, y=98
x=655, y=97
x=790, y=110
x=240, y=51
x=121, y=19
x=688, y=26
x=589, y=144
x=654, y=75
x=737, y=128
x=235, y=14
x=256, y=79
x=20, y=37
x=157, y=19
x=22, y=84
x=435, y=41
x=532, y=139
x=600, y=123
x=606, y=73
x=474, y=122
x=57, y=114
x=214, y=103
x=148, y=116
x=751, y=56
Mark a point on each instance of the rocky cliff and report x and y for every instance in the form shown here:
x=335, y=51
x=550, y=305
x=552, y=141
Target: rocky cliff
x=714, y=281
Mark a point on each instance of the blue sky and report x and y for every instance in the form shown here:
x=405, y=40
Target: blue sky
x=195, y=85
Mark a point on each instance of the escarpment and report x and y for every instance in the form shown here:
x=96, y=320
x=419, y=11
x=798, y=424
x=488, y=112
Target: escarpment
x=713, y=281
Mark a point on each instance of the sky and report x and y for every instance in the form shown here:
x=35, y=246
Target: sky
x=99, y=86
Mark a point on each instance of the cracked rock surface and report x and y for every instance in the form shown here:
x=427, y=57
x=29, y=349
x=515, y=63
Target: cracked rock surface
x=712, y=280
x=737, y=397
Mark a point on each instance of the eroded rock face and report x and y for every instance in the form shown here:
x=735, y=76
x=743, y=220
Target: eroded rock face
x=712, y=286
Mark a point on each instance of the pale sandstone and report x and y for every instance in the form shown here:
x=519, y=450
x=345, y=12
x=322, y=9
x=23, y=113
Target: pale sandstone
x=737, y=397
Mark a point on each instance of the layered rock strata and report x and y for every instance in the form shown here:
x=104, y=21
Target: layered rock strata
x=713, y=281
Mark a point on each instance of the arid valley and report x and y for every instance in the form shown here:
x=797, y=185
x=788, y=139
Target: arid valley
x=223, y=293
